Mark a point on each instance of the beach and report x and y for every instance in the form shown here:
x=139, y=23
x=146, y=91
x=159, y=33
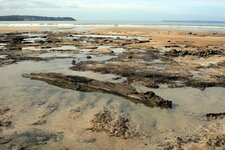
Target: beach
x=113, y=87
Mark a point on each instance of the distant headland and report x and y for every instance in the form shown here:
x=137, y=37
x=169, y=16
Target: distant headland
x=34, y=18
x=191, y=21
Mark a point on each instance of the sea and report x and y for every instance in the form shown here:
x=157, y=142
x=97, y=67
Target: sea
x=88, y=25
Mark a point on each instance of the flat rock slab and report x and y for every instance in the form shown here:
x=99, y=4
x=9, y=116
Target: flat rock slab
x=90, y=85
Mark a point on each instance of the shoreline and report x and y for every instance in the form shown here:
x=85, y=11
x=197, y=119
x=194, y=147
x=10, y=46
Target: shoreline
x=93, y=25
x=84, y=87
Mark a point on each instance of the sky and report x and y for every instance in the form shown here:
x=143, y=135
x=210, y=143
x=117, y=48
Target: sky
x=119, y=10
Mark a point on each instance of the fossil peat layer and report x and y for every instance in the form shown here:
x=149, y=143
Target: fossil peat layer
x=90, y=85
x=99, y=79
x=150, y=59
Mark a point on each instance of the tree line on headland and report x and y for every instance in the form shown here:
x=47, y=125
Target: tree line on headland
x=34, y=18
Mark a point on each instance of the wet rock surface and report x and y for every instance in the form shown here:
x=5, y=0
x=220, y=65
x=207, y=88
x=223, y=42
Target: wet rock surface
x=87, y=140
x=147, y=66
x=32, y=139
x=37, y=43
x=216, y=142
x=90, y=85
x=118, y=126
x=199, y=53
x=203, y=140
x=5, y=117
x=143, y=74
x=140, y=59
x=210, y=116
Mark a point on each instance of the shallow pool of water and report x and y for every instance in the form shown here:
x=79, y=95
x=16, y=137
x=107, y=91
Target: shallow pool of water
x=3, y=56
x=56, y=54
x=118, y=51
x=34, y=34
x=110, y=36
x=190, y=104
x=34, y=39
x=2, y=45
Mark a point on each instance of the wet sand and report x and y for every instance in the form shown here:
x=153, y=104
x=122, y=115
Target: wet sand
x=38, y=115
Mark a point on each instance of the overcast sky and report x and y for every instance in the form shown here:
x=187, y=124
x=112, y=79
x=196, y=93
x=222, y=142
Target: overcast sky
x=119, y=10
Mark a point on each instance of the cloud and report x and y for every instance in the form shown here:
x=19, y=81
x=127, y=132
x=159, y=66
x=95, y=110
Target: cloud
x=143, y=4
x=74, y=6
x=26, y=5
x=119, y=9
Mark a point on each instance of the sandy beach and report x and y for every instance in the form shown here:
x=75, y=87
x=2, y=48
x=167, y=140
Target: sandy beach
x=114, y=88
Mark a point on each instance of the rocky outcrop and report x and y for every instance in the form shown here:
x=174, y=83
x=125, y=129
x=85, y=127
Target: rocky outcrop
x=90, y=85
x=199, y=53
x=118, y=126
x=210, y=116
x=139, y=73
x=5, y=117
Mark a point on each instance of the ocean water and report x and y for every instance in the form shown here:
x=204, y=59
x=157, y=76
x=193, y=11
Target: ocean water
x=87, y=25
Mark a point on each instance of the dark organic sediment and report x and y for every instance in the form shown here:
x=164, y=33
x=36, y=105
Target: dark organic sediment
x=200, y=53
x=90, y=85
x=215, y=115
x=31, y=139
x=134, y=60
x=142, y=73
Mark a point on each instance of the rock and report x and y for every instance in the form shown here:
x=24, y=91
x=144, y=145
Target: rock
x=88, y=140
x=73, y=62
x=144, y=41
x=117, y=78
x=3, y=111
x=90, y=85
x=216, y=142
x=215, y=115
x=46, y=47
x=178, y=143
x=49, y=110
x=118, y=126
x=150, y=94
x=5, y=123
x=5, y=118
x=89, y=57
x=39, y=122
x=130, y=57
x=142, y=74
x=31, y=139
x=78, y=109
x=199, y=53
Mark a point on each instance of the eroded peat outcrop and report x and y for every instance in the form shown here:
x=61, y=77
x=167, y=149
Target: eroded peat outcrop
x=90, y=85
x=144, y=74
